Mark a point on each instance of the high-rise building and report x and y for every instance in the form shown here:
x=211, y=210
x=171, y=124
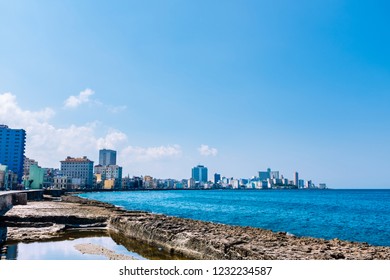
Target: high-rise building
x=12, y=144
x=308, y=184
x=199, y=174
x=107, y=157
x=80, y=170
x=217, y=178
x=296, y=179
x=108, y=169
x=264, y=175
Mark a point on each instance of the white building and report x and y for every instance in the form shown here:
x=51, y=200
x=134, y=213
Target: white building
x=80, y=170
x=62, y=182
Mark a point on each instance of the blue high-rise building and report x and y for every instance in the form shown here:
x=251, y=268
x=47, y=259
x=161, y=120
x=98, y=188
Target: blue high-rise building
x=12, y=145
x=217, y=178
x=264, y=175
x=107, y=157
x=199, y=174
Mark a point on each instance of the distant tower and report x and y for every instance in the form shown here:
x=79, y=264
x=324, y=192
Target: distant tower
x=265, y=175
x=199, y=174
x=107, y=157
x=217, y=178
x=12, y=144
x=296, y=179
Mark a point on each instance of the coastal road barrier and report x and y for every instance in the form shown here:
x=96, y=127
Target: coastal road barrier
x=19, y=199
x=5, y=203
x=11, y=198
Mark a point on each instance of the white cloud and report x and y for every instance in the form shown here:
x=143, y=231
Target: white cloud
x=10, y=112
x=75, y=101
x=116, y=109
x=113, y=140
x=44, y=142
x=49, y=144
x=137, y=154
x=205, y=150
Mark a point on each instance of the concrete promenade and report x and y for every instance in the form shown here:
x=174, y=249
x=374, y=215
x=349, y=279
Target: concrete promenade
x=10, y=198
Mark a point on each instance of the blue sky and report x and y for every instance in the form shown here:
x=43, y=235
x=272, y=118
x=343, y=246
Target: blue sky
x=238, y=86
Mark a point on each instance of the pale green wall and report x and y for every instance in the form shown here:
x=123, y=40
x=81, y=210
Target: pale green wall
x=36, y=174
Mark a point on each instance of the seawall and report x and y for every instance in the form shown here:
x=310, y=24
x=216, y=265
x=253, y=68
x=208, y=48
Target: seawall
x=5, y=203
x=10, y=198
x=188, y=238
x=204, y=240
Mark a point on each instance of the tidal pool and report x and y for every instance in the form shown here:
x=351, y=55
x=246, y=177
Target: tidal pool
x=63, y=248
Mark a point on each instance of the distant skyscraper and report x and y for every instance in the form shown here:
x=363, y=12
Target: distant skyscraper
x=296, y=179
x=199, y=174
x=107, y=157
x=12, y=144
x=217, y=178
x=264, y=175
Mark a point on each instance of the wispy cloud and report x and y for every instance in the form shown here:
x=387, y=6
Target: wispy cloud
x=11, y=112
x=113, y=140
x=75, y=101
x=205, y=150
x=49, y=144
x=136, y=154
x=116, y=109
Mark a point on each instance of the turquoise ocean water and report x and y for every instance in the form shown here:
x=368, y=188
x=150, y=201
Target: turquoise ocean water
x=354, y=215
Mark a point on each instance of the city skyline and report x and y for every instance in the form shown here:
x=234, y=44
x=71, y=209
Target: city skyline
x=169, y=85
x=81, y=172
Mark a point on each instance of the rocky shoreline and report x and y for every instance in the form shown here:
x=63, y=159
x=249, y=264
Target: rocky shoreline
x=191, y=239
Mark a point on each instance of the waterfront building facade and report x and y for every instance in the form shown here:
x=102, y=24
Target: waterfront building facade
x=35, y=178
x=322, y=186
x=80, y=170
x=12, y=145
x=308, y=184
x=62, y=182
x=109, y=172
x=190, y=183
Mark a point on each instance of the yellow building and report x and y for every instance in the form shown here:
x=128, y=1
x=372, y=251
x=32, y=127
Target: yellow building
x=109, y=184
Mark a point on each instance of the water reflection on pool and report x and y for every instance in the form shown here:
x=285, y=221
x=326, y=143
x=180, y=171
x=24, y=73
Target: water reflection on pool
x=64, y=249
